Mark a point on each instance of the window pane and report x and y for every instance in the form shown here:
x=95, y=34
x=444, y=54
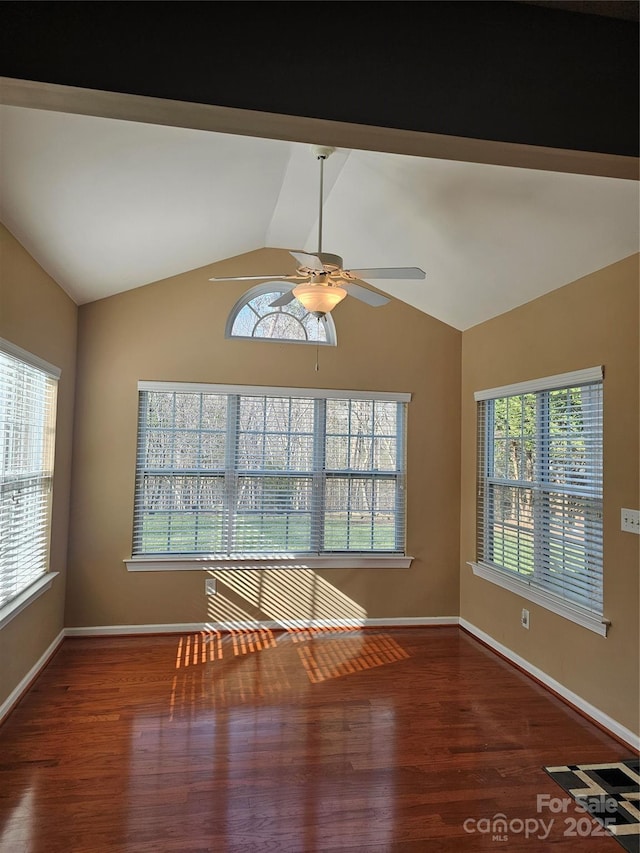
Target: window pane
x=177, y=514
x=385, y=418
x=159, y=409
x=384, y=454
x=275, y=434
x=360, y=514
x=244, y=323
x=251, y=413
x=187, y=410
x=350, y=440
x=338, y=417
x=212, y=450
x=362, y=417
x=273, y=514
x=186, y=449
x=337, y=452
x=280, y=326
x=511, y=511
x=500, y=458
x=513, y=437
x=214, y=412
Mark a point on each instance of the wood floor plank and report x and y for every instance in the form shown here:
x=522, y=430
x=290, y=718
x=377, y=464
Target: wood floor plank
x=363, y=741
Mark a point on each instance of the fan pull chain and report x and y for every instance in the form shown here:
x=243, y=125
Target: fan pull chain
x=318, y=347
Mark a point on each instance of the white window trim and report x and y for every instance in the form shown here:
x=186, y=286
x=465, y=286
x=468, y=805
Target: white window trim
x=261, y=562
x=24, y=599
x=547, y=383
x=275, y=391
x=29, y=358
x=523, y=588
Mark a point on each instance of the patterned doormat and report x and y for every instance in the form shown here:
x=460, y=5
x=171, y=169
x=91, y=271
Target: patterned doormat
x=609, y=793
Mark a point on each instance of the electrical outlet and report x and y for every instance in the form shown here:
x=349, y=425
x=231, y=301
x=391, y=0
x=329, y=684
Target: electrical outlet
x=524, y=618
x=630, y=520
x=210, y=586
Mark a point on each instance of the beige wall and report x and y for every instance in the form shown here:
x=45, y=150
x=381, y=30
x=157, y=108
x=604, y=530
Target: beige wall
x=38, y=316
x=589, y=322
x=174, y=330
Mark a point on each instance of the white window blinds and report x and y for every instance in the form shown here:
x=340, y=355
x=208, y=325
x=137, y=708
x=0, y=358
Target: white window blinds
x=540, y=484
x=236, y=471
x=28, y=389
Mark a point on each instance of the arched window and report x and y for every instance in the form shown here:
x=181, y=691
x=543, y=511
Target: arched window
x=253, y=317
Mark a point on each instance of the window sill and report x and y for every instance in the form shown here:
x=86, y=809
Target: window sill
x=520, y=587
x=259, y=562
x=33, y=591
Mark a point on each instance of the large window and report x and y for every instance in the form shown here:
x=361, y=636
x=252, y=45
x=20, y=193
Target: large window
x=245, y=470
x=28, y=388
x=540, y=487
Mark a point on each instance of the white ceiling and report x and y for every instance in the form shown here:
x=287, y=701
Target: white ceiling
x=106, y=205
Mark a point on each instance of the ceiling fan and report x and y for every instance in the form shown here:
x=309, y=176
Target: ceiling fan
x=320, y=281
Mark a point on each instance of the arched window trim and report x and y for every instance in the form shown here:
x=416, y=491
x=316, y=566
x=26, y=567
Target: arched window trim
x=276, y=287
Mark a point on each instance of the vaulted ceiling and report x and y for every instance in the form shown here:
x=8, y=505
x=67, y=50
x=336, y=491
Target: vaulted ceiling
x=111, y=199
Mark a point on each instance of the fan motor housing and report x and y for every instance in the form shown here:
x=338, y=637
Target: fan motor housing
x=329, y=260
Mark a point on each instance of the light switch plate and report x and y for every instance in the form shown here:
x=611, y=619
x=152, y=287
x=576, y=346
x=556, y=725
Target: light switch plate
x=630, y=520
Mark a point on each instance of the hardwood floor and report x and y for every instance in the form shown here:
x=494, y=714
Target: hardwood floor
x=372, y=741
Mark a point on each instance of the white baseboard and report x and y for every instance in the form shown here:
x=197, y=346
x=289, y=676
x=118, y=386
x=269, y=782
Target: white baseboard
x=127, y=630
x=410, y=622
x=586, y=708
x=257, y=625
x=15, y=695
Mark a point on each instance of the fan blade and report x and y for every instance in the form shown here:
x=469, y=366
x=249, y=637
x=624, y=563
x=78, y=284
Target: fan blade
x=313, y=262
x=285, y=299
x=285, y=277
x=389, y=272
x=364, y=295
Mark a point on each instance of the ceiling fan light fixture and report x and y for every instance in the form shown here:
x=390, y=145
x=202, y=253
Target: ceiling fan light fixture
x=319, y=299
x=324, y=282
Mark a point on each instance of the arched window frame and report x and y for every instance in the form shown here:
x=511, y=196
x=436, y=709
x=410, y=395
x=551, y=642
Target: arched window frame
x=277, y=287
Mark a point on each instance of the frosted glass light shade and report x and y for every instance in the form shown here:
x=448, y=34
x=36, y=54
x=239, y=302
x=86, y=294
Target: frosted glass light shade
x=319, y=299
